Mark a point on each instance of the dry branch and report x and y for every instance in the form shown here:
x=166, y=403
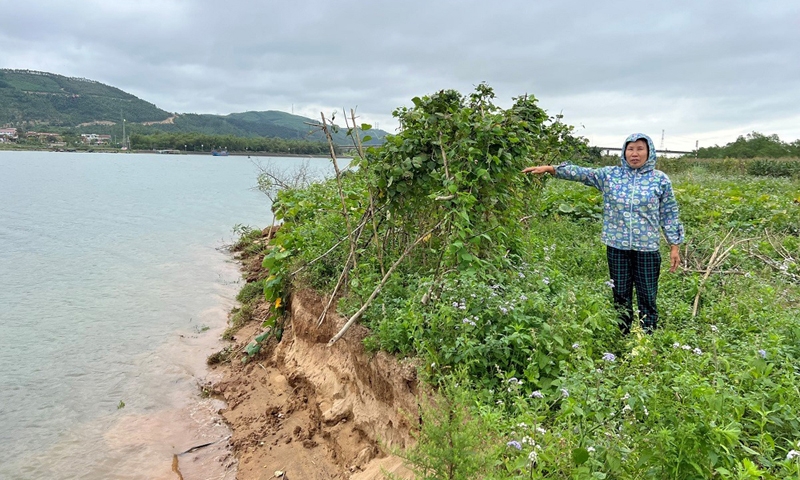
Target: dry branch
x=717, y=259
x=377, y=290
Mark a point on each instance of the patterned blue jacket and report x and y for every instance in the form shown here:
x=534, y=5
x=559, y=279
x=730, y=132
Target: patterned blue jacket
x=636, y=202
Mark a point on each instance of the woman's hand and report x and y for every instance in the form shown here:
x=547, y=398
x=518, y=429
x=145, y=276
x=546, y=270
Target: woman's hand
x=674, y=258
x=538, y=170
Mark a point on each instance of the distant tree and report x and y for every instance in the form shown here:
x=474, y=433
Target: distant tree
x=753, y=145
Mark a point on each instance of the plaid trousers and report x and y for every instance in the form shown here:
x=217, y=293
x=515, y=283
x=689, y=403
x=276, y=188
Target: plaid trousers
x=629, y=268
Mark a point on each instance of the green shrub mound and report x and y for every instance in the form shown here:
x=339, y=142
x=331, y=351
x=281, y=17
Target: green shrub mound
x=496, y=282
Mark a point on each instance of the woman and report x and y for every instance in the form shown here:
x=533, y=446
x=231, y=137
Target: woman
x=638, y=201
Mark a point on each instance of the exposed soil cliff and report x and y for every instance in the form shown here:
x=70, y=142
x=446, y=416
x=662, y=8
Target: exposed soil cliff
x=303, y=410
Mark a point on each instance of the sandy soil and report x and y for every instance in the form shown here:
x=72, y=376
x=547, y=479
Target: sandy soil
x=303, y=410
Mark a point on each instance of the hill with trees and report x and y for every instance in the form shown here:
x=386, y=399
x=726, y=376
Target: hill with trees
x=47, y=102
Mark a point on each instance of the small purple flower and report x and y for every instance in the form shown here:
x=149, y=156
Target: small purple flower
x=609, y=357
x=565, y=393
x=697, y=351
x=468, y=322
x=504, y=310
x=537, y=394
x=523, y=297
x=792, y=454
x=576, y=346
x=515, y=444
x=546, y=280
x=610, y=283
x=762, y=353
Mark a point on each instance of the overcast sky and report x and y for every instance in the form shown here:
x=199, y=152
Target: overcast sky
x=704, y=71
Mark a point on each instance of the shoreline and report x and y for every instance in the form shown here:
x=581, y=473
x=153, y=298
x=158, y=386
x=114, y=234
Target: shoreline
x=153, y=152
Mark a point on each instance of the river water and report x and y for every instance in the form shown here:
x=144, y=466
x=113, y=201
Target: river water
x=114, y=288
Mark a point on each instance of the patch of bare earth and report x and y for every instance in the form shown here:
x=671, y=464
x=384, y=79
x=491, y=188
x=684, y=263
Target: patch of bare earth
x=303, y=410
x=168, y=121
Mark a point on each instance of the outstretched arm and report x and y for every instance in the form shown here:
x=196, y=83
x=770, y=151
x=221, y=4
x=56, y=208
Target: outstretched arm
x=592, y=177
x=541, y=169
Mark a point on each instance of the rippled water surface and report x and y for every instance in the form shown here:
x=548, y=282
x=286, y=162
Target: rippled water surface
x=113, y=290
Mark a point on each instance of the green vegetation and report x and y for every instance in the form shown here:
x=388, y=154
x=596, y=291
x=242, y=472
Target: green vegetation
x=753, y=145
x=496, y=282
x=31, y=99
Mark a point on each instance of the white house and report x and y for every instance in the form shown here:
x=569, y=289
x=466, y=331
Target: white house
x=8, y=134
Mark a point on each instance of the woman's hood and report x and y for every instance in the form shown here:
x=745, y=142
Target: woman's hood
x=650, y=164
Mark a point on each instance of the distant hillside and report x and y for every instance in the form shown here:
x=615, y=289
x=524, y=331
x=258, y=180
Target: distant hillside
x=49, y=99
x=50, y=102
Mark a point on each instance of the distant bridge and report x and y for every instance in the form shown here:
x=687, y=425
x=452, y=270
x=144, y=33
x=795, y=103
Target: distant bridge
x=666, y=152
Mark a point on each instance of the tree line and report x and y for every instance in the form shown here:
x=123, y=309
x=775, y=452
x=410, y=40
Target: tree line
x=753, y=145
x=199, y=142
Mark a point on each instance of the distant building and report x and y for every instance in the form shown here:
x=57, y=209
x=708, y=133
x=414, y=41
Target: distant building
x=95, y=139
x=8, y=134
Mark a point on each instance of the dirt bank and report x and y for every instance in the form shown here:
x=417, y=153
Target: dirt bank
x=313, y=411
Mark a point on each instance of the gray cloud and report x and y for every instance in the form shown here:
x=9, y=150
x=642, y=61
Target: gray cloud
x=698, y=70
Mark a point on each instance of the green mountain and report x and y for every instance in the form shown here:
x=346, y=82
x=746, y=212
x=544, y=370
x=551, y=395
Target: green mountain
x=46, y=99
x=50, y=102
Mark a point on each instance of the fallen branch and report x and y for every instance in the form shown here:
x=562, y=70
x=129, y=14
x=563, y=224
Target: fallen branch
x=349, y=234
x=377, y=290
x=714, y=262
